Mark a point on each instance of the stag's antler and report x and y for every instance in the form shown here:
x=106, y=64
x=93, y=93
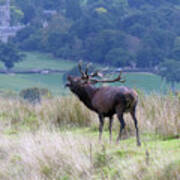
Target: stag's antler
x=87, y=68
x=119, y=79
x=85, y=73
x=89, y=77
x=96, y=73
x=80, y=68
x=99, y=73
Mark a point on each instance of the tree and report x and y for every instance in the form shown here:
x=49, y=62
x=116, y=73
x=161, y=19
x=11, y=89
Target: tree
x=176, y=49
x=29, y=13
x=95, y=29
x=9, y=55
x=149, y=57
x=73, y=9
x=170, y=71
x=16, y=15
x=118, y=57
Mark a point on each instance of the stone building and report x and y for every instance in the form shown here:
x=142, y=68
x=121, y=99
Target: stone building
x=5, y=14
x=6, y=30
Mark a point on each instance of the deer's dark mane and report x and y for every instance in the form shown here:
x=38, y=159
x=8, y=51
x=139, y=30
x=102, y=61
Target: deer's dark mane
x=85, y=94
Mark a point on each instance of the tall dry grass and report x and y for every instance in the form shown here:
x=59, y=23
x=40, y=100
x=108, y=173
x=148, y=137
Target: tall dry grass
x=32, y=145
x=51, y=155
x=44, y=155
x=156, y=114
x=59, y=112
x=160, y=114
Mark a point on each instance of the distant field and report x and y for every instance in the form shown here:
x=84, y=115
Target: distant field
x=147, y=82
x=18, y=82
x=37, y=60
x=144, y=81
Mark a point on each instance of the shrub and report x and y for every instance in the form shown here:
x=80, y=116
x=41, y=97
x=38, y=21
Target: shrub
x=33, y=95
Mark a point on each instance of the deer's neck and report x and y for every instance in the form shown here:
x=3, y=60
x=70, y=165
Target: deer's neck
x=86, y=94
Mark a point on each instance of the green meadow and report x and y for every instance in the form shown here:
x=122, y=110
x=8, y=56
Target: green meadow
x=16, y=82
x=36, y=60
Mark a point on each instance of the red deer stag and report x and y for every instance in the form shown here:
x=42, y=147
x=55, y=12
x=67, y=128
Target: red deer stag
x=105, y=101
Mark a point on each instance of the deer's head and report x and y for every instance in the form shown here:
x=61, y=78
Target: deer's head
x=75, y=82
x=88, y=79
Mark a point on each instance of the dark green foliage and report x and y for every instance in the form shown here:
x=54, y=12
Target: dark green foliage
x=137, y=30
x=118, y=57
x=56, y=41
x=16, y=15
x=149, y=57
x=73, y=9
x=176, y=49
x=29, y=38
x=33, y=95
x=114, y=32
x=9, y=55
x=29, y=14
x=25, y=33
x=170, y=71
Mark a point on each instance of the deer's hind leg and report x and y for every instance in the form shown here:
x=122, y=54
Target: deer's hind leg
x=122, y=126
x=133, y=114
x=110, y=128
x=120, y=111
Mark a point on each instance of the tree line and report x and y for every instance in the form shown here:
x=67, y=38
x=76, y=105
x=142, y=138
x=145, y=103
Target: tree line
x=114, y=32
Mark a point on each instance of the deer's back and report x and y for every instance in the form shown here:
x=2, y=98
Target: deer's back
x=107, y=99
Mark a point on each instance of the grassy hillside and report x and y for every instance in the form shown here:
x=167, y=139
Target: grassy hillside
x=59, y=140
x=43, y=61
x=16, y=83
x=143, y=81
x=35, y=60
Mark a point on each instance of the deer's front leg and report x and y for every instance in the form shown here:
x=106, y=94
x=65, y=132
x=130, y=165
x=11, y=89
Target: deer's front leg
x=101, y=124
